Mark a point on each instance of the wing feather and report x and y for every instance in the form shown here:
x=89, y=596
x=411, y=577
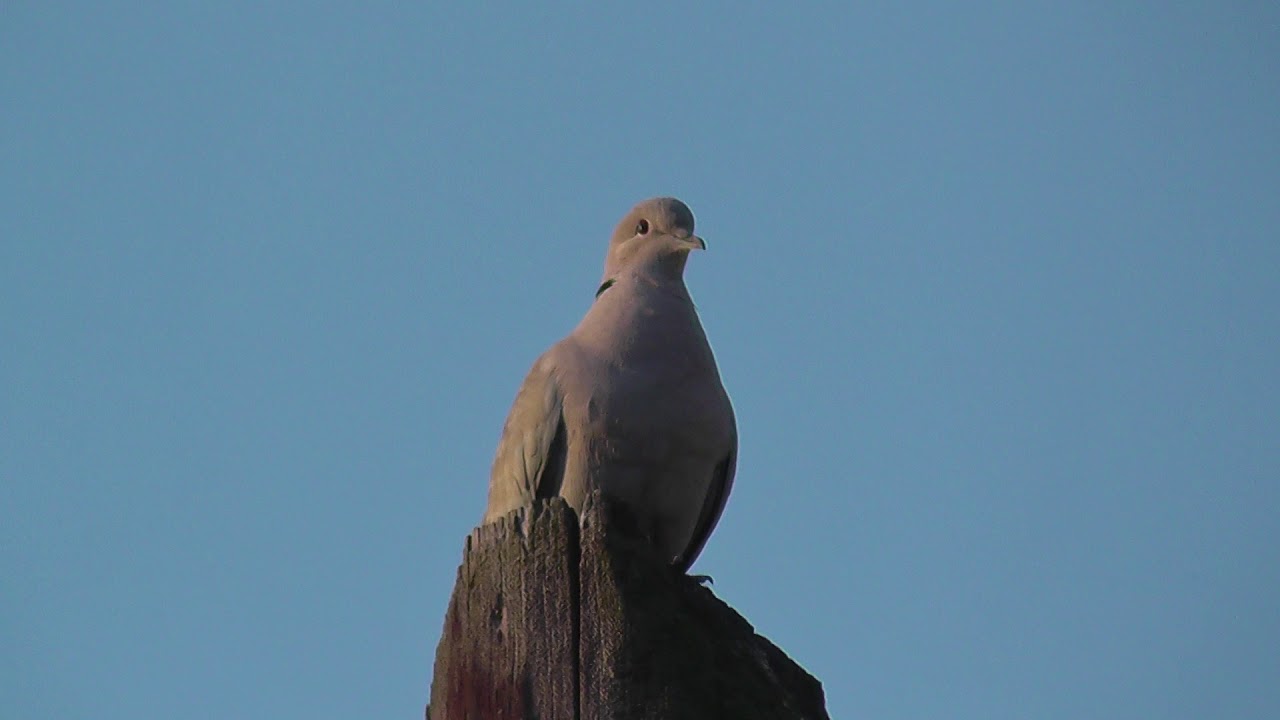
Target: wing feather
x=712, y=505
x=529, y=461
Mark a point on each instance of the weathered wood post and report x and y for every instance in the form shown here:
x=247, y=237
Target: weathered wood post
x=554, y=620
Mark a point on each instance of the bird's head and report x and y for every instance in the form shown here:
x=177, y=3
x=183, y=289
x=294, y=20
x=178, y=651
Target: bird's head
x=653, y=239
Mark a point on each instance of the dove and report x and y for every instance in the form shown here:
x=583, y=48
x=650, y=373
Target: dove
x=630, y=403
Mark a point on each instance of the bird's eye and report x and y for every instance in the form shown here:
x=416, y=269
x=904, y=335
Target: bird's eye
x=642, y=227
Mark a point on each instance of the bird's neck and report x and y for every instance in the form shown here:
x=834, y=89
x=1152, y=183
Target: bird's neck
x=645, y=290
x=657, y=267
x=639, y=316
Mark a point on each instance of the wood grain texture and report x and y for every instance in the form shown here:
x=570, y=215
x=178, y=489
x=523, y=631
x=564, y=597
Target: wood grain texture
x=509, y=647
x=550, y=619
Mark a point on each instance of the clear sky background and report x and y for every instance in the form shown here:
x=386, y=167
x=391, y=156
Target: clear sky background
x=994, y=287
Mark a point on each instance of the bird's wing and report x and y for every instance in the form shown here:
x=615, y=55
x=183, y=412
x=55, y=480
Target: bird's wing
x=713, y=504
x=530, y=459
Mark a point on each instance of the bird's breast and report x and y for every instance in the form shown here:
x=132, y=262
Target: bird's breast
x=642, y=418
x=654, y=397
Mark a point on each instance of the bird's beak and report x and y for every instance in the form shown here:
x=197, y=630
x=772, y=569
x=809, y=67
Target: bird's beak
x=694, y=242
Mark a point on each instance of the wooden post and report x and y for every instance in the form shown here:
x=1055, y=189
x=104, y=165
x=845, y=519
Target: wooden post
x=554, y=620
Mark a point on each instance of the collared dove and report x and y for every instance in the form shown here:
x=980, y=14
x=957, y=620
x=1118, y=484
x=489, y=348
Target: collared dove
x=629, y=403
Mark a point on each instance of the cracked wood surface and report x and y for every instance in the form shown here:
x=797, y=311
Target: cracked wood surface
x=551, y=620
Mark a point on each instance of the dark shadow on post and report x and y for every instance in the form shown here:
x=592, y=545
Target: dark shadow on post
x=549, y=621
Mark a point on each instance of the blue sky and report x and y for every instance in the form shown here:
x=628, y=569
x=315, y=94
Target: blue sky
x=994, y=288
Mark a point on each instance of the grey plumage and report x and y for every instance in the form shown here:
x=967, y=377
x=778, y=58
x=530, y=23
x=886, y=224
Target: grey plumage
x=630, y=402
